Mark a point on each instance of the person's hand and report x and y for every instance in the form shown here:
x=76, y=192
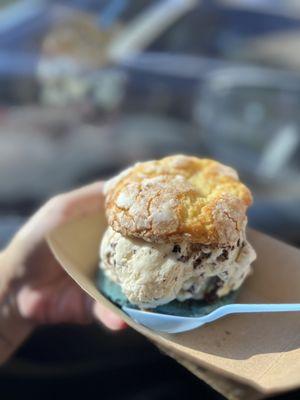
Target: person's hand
x=41, y=290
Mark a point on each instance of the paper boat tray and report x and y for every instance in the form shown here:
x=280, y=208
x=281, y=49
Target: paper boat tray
x=261, y=350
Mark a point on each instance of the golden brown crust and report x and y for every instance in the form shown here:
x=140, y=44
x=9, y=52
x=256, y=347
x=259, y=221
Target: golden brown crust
x=177, y=198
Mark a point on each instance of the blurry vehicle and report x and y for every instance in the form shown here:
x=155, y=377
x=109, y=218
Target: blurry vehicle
x=60, y=38
x=88, y=87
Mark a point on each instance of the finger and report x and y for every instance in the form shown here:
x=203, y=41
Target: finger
x=108, y=318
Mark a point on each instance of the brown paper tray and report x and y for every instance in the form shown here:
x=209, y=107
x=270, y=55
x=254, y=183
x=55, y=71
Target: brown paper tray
x=230, y=389
x=260, y=350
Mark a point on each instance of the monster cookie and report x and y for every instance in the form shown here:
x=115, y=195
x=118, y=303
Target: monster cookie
x=179, y=197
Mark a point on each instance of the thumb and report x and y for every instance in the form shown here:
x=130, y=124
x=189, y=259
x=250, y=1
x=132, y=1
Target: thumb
x=107, y=317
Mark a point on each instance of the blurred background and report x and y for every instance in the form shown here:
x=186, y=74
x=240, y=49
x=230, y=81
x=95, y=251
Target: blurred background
x=88, y=87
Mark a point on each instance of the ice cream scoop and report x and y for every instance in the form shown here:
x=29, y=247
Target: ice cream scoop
x=152, y=274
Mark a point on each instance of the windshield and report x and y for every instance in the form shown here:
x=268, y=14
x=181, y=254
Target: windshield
x=222, y=32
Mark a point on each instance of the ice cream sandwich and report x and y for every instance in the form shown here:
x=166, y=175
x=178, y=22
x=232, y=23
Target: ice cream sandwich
x=176, y=232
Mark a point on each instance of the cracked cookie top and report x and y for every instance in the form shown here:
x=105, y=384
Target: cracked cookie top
x=178, y=198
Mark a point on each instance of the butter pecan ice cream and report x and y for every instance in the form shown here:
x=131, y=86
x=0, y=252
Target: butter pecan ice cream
x=176, y=231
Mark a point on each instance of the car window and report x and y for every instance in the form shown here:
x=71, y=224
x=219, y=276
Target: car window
x=219, y=32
